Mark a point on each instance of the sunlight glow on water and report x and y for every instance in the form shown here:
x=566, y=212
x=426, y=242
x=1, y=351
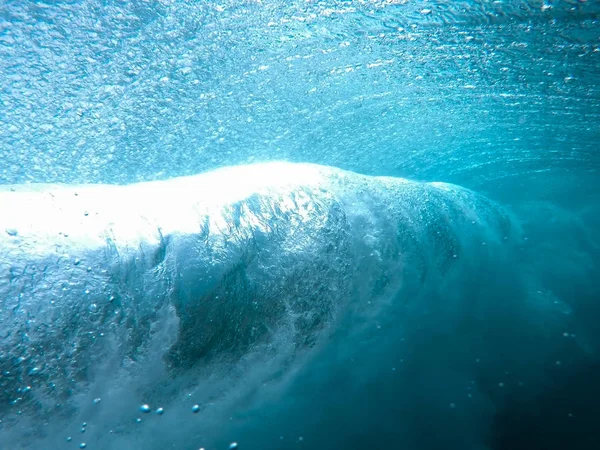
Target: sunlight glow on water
x=283, y=306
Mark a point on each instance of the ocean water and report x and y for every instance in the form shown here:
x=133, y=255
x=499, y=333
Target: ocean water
x=264, y=224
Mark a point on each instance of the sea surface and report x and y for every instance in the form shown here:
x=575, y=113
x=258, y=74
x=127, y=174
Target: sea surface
x=263, y=224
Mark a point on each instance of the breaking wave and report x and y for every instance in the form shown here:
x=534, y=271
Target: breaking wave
x=266, y=294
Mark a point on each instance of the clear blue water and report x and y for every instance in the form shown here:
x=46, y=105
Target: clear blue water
x=385, y=339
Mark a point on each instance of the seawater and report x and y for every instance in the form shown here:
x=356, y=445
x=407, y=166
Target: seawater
x=429, y=280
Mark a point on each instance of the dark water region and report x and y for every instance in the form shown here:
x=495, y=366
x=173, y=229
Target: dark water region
x=296, y=312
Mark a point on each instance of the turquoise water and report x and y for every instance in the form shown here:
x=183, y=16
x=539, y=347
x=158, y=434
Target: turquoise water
x=408, y=320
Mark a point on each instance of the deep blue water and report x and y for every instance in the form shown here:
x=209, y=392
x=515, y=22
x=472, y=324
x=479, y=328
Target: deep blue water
x=300, y=306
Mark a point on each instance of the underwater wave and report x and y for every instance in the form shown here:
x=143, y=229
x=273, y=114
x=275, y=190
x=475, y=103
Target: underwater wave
x=259, y=293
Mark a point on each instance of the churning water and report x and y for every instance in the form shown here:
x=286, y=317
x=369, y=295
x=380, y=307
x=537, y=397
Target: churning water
x=300, y=224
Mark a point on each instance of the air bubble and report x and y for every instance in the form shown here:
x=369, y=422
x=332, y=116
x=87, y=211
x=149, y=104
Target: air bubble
x=97, y=400
x=83, y=445
x=233, y=445
x=145, y=408
x=195, y=408
x=160, y=411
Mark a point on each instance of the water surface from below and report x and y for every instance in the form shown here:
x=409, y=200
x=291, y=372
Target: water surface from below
x=500, y=98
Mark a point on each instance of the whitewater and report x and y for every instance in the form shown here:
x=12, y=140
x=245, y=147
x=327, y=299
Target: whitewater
x=299, y=224
x=237, y=289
